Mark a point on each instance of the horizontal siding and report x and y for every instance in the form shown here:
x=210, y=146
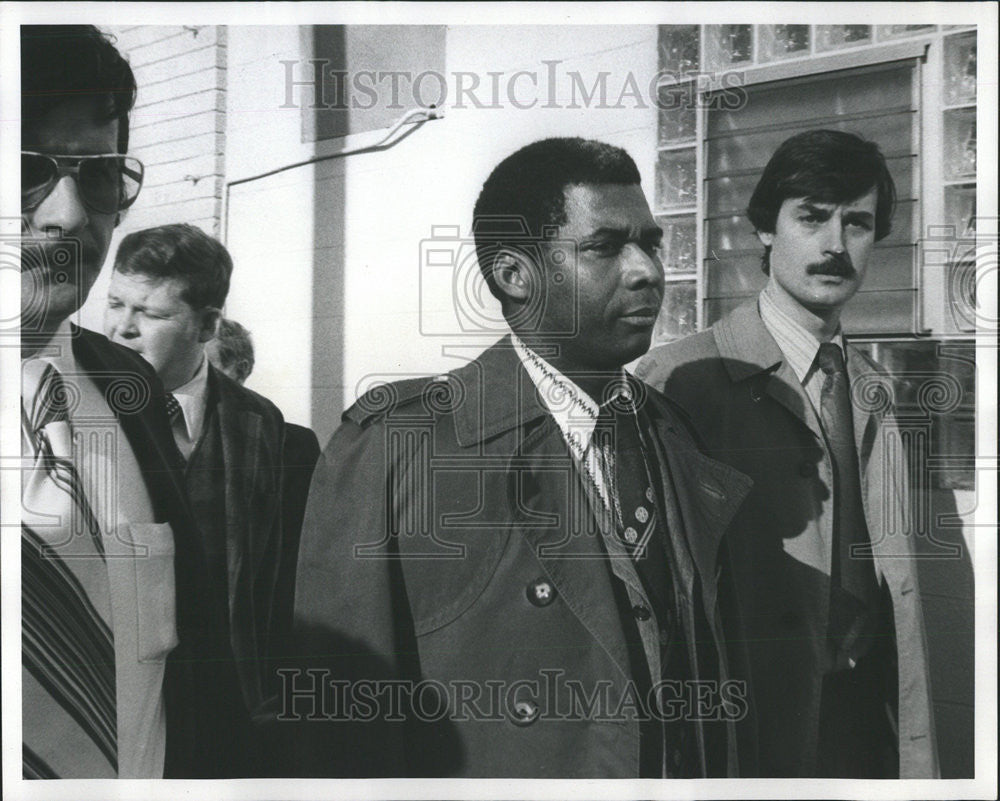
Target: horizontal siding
x=182, y=64
x=178, y=124
x=207, y=99
x=181, y=86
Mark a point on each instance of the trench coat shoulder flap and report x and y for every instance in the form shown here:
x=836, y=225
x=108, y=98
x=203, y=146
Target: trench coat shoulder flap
x=448, y=452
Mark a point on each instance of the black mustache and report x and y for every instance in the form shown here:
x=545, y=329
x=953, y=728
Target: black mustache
x=839, y=265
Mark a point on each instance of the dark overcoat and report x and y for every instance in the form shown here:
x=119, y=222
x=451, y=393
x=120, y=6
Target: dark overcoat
x=751, y=411
x=449, y=549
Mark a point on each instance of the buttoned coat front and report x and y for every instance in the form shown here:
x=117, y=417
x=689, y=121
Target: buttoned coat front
x=446, y=550
x=750, y=410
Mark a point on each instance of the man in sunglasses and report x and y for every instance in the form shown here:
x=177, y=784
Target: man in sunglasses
x=113, y=574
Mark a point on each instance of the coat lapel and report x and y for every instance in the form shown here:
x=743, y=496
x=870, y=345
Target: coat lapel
x=241, y=431
x=701, y=494
x=502, y=414
x=748, y=349
x=576, y=565
x=148, y=433
x=145, y=428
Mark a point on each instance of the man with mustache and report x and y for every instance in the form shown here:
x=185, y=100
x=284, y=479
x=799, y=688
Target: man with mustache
x=113, y=574
x=825, y=583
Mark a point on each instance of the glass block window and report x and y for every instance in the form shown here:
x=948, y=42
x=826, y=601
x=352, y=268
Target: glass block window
x=960, y=143
x=782, y=41
x=677, y=183
x=678, y=114
x=680, y=243
x=960, y=69
x=832, y=37
x=889, y=32
x=935, y=396
x=678, y=315
x=676, y=178
x=875, y=102
x=726, y=45
x=679, y=49
x=960, y=156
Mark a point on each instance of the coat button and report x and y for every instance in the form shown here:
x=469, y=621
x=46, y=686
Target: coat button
x=641, y=612
x=541, y=592
x=807, y=469
x=525, y=713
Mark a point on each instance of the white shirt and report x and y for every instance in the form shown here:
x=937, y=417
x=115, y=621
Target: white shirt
x=193, y=400
x=140, y=564
x=574, y=411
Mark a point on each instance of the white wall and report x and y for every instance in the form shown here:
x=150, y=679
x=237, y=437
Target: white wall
x=433, y=179
x=368, y=224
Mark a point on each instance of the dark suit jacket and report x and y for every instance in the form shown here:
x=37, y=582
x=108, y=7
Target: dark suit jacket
x=436, y=509
x=301, y=452
x=252, y=435
x=136, y=396
x=751, y=411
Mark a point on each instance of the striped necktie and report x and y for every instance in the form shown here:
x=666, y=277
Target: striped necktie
x=68, y=658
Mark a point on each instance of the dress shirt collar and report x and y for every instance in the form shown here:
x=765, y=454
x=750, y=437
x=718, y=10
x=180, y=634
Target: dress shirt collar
x=574, y=411
x=796, y=342
x=193, y=400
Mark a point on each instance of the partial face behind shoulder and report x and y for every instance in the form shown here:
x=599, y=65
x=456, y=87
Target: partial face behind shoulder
x=53, y=287
x=608, y=296
x=820, y=251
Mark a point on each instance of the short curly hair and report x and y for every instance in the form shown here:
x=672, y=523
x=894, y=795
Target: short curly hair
x=526, y=191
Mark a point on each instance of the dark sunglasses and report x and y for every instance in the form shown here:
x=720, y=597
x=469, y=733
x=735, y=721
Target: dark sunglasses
x=107, y=183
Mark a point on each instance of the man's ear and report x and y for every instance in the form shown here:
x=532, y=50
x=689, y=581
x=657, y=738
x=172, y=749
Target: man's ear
x=512, y=275
x=766, y=239
x=209, y=323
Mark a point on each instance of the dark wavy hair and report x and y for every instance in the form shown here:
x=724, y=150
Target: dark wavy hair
x=62, y=62
x=824, y=166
